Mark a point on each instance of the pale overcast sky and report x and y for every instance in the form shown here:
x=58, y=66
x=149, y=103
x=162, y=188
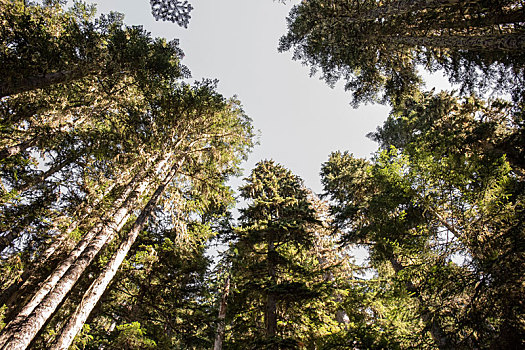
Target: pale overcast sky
x=301, y=120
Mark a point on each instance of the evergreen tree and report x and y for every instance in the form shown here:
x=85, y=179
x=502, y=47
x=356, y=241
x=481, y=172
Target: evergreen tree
x=376, y=46
x=278, y=280
x=444, y=211
x=116, y=135
x=45, y=45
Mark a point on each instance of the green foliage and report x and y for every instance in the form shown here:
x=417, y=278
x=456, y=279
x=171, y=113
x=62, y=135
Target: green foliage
x=83, y=338
x=282, y=294
x=89, y=106
x=3, y=309
x=132, y=336
x=45, y=45
x=442, y=205
x=377, y=46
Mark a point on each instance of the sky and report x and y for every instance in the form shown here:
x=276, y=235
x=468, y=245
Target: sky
x=301, y=120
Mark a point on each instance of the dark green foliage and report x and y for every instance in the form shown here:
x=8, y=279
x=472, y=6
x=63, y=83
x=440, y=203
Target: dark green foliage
x=279, y=273
x=46, y=45
x=375, y=47
x=91, y=109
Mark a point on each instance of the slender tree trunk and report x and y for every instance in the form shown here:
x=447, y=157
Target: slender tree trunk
x=28, y=278
x=19, y=332
x=11, y=294
x=26, y=325
x=221, y=325
x=401, y=7
x=504, y=42
x=97, y=288
x=122, y=202
x=45, y=80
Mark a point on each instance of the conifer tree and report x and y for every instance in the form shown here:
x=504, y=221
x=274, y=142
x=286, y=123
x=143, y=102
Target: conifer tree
x=277, y=278
x=376, y=46
x=430, y=205
x=111, y=139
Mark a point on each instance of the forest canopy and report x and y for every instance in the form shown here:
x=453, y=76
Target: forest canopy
x=115, y=187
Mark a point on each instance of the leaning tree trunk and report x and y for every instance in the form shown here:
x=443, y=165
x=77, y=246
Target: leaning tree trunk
x=19, y=333
x=221, y=325
x=401, y=7
x=28, y=278
x=97, y=288
x=503, y=42
x=60, y=270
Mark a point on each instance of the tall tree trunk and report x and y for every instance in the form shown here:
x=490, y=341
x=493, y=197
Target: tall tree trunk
x=401, y=7
x=12, y=294
x=221, y=325
x=19, y=332
x=503, y=42
x=28, y=278
x=43, y=81
x=97, y=288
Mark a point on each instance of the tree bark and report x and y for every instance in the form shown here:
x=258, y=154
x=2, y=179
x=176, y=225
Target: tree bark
x=19, y=332
x=12, y=293
x=504, y=42
x=221, y=325
x=28, y=278
x=97, y=288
